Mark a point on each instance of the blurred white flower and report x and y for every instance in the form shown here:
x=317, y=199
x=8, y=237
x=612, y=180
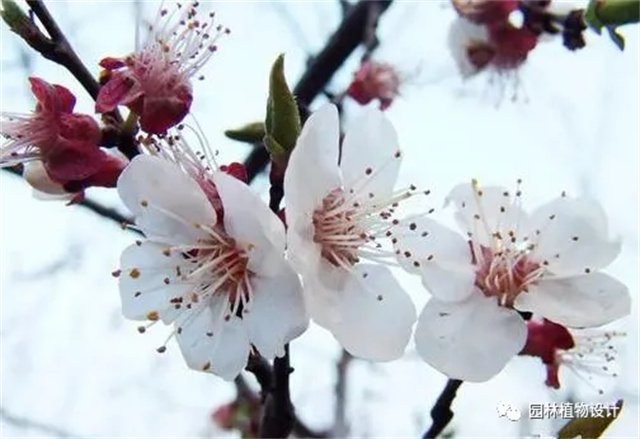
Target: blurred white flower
x=340, y=206
x=224, y=284
x=546, y=263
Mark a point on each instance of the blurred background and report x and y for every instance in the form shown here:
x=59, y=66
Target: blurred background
x=72, y=366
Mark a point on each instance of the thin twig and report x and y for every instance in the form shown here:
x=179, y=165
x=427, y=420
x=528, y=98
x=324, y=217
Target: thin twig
x=300, y=429
x=340, y=425
x=31, y=424
x=57, y=48
x=441, y=413
x=60, y=51
x=93, y=206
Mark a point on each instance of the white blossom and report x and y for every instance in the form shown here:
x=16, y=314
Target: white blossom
x=547, y=263
x=340, y=206
x=216, y=272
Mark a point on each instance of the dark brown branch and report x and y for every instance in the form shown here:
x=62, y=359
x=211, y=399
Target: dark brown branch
x=340, y=425
x=441, y=413
x=278, y=415
x=264, y=373
x=58, y=49
x=351, y=33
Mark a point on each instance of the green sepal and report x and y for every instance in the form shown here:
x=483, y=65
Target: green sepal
x=282, y=122
x=249, y=133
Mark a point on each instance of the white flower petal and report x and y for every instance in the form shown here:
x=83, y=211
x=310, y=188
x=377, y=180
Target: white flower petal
x=571, y=235
x=210, y=343
x=471, y=340
x=485, y=211
x=370, y=159
x=323, y=290
x=579, y=302
x=377, y=315
x=149, y=280
x=257, y=230
x=165, y=201
x=36, y=175
x=302, y=251
x=312, y=172
x=276, y=314
x=439, y=255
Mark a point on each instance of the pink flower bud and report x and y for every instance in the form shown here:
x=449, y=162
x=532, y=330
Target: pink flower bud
x=63, y=145
x=485, y=11
x=375, y=80
x=155, y=81
x=236, y=170
x=511, y=44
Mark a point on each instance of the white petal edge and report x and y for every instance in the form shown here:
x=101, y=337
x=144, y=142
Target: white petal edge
x=371, y=157
x=440, y=256
x=578, y=302
x=277, y=313
x=312, y=172
x=471, y=340
x=257, y=230
x=377, y=315
x=224, y=352
x=165, y=201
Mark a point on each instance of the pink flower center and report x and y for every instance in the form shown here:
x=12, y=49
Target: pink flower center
x=337, y=231
x=504, y=274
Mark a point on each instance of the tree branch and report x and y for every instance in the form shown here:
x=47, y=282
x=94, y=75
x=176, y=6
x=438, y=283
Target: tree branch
x=93, y=206
x=340, y=425
x=60, y=51
x=30, y=424
x=57, y=48
x=351, y=33
x=441, y=413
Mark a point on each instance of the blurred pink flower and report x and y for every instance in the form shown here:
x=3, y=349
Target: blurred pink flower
x=375, y=80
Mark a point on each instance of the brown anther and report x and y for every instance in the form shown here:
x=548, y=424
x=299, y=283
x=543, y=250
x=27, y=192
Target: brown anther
x=166, y=252
x=116, y=273
x=416, y=264
x=153, y=316
x=206, y=367
x=144, y=203
x=134, y=273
